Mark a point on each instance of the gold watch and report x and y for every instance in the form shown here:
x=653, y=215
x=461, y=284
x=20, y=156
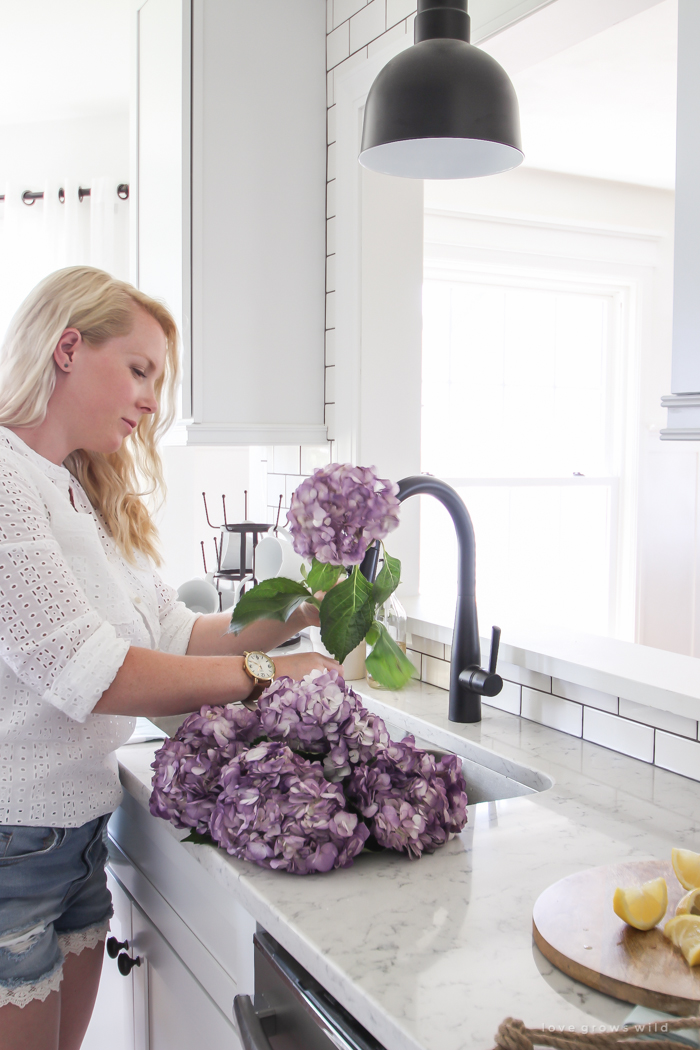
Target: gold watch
x=261, y=669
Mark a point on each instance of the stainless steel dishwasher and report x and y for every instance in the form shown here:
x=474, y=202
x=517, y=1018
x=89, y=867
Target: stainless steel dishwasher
x=291, y=1010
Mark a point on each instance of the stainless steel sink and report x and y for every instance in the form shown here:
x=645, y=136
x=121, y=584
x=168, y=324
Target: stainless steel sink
x=490, y=777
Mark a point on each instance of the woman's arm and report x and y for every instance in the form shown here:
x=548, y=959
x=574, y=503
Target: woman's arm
x=151, y=683
x=209, y=637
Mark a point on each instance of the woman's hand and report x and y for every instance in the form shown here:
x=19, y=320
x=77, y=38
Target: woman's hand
x=309, y=613
x=296, y=665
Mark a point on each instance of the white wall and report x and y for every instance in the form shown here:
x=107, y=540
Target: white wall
x=71, y=149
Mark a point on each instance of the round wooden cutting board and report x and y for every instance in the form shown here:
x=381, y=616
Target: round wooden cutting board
x=576, y=928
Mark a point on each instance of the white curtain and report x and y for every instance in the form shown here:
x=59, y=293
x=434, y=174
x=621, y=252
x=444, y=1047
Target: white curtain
x=47, y=235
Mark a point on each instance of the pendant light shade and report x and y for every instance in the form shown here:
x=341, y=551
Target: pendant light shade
x=442, y=109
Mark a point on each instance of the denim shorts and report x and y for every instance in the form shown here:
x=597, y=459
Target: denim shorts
x=53, y=900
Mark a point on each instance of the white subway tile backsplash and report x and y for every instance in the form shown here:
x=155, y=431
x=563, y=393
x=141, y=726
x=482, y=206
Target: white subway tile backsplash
x=425, y=645
x=678, y=754
x=617, y=733
x=330, y=199
x=330, y=88
x=276, y=487
x=552, y=711
x=330, y=162
x=344, y=9
x=397, y=32
x=329, y=415
x=415, y=659
x=286, y=459
x=337, y=45
x=436, y=672
x=330, y=310
x=367, y=24
x=353, y=62
x=523, y=676
x=583, y=695
x=330, y=236
x=396, y=10
x=330, y=347
x=330, y=273
x=292, y=482
x=330, y=124
x=661, y=719
x=313, y=457
x=330, y=384
x=329, y=16
x=507, y=700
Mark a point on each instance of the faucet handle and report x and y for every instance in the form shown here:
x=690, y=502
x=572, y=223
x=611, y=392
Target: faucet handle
x=495, y=642
x=487, y=683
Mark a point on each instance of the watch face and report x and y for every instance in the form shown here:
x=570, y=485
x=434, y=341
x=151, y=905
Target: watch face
x=261, y=666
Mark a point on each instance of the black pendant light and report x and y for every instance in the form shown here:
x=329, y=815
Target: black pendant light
x=441, y=109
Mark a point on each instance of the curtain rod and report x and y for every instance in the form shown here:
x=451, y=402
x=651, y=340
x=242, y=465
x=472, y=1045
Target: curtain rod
x=29, y=196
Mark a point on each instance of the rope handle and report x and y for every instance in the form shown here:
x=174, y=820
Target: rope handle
x=513, y=1035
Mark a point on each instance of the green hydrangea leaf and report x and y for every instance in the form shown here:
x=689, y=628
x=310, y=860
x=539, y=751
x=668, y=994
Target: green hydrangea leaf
x=388, y=579
x=387, y=663
x=346, y=614
x=274, y=599
x=200, y=840
x=322, y=577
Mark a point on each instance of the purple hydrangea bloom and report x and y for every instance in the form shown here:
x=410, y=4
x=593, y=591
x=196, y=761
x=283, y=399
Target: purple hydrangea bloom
x=337, y=512
x=277, y=810
x=321, y=715
x=412, y=802
x=187, y=768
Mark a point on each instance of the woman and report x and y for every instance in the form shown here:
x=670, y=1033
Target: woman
x=89, y=634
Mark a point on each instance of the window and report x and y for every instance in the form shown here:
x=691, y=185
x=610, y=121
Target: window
x=523, y=413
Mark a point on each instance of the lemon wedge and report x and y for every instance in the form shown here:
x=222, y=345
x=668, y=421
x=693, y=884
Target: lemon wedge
x=690, y=904
x=684, y=932
x=642, y=906
x=686, y=865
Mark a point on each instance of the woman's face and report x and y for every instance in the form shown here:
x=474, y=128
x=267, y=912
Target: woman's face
x=106, y=390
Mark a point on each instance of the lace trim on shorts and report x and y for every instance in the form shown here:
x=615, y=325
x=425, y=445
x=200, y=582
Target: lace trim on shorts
x=22, y=994
x=76, y=940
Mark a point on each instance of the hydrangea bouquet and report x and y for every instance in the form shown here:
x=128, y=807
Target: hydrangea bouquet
x=334, y=517
x=306, y=781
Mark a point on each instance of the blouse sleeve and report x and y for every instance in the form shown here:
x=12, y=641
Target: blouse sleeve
x=176, y=620
x=50, y=636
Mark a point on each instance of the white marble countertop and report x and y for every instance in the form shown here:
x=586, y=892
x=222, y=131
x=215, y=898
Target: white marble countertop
x=654, y=677
x=435, y=954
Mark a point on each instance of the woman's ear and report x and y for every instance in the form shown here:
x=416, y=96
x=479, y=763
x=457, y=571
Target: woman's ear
x=64, y=354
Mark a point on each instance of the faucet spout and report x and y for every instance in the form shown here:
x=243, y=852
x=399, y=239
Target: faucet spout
x=468, y=681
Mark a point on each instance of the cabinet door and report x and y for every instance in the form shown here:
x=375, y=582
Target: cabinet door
x=179, y=1013
x=163, y=233
x=112, y=1024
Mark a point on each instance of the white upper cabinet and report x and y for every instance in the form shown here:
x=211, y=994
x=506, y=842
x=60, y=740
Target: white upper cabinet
x=230, y=190
x=683, y=403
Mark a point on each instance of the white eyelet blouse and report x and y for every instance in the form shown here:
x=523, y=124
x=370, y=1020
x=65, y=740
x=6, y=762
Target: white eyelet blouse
x=70, y=607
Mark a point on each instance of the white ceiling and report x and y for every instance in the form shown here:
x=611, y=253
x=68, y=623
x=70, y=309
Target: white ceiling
x=606, y=107
x=63, y=58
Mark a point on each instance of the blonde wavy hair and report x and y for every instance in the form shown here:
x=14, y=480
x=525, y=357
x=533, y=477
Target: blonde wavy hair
x=100, y=307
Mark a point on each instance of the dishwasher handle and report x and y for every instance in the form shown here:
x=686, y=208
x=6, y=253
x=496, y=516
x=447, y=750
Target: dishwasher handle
x=249, y=1024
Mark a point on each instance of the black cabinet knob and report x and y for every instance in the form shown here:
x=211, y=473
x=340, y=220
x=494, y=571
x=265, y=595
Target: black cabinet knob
x=126, y=964
x=114, y=947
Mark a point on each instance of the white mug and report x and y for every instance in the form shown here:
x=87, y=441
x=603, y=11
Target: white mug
x=275, y=556
x=199, y=595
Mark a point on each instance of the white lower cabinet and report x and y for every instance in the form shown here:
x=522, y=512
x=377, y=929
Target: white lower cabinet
x=171, y=1009
x=193, y=943
x=112, y=1024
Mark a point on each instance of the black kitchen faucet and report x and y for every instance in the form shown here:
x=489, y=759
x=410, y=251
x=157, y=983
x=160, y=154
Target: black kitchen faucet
x=468, y=680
